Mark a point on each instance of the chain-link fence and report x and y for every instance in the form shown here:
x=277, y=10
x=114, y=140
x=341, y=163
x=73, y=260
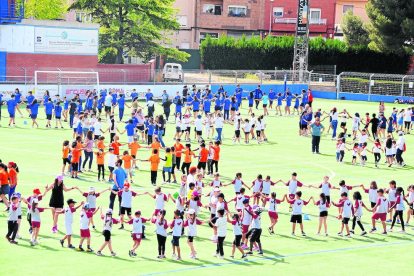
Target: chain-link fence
x=377, y=84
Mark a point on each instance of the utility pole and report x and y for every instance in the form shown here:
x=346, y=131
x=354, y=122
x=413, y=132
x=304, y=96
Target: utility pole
x=301, y=52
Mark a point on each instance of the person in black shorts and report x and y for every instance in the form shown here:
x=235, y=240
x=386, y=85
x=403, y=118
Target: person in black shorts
x=237, y=225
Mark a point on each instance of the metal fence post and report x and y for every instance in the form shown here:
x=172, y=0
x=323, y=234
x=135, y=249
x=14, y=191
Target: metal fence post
x=235, y=74
x=124, y=76
x=59, y=81
x=209, y=77
x=153, y=71
x=338, y=85
x=369, y=90
x=402, y=86
x=261, y=77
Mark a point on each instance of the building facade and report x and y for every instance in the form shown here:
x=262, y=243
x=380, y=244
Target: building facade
x=280, y=17
x=342, y=6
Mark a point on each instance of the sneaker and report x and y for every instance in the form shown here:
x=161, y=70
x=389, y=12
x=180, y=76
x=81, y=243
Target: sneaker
x=93, y=227
x=134, y=254
x=406, y=224
x=256, y=249
x=8, y=239
x=384, y=233
x=89, y=250
x=260, y=253
x=244, y=247
x=389, y=229
x=130, y=253
x=388, y=220
x=113, y=254
x=317, y=234
x=18, y=237
x=61, y=242
x=174, y=256
x=364, y=233
x=292, y=234
x=402, y=231
x=373, y=230
x=272, y=233
x=352, y=231
x=244, y=256
x=71, y=246
x=192, y=256
x=270, y=230
x=13, y=242
x=347, y=236
x=398, y=221
x=159, y=257
x=178, y=259
x=249, y=253
x=340, y=234
x=231, y=257
x=80, y=249
x=99, y=253
x=220, y=257
x=174, y=182
x=215, y=255
x=326, y=234
x=122, y=227
x=303, y=233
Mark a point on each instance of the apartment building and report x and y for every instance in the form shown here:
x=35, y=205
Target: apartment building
x=280, y=17
x=342, y=6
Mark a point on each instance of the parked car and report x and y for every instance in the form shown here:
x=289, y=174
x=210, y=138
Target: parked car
x=172, y=72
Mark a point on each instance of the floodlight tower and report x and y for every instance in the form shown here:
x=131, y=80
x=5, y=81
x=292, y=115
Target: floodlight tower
x=301, y=52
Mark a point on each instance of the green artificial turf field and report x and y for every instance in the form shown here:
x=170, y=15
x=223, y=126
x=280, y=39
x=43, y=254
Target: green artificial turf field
x=38, y=155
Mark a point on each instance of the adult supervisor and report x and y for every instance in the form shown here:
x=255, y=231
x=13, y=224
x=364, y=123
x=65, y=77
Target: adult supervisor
x=119, y=179
x=316, y=129
x=400, y=149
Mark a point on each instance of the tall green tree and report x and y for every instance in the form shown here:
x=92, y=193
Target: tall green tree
x=392, y=25
x=47, y=10
x=140, y=27
x=354, y=29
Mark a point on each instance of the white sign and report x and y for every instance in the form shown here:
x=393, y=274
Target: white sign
x=410, y=84
x=372, y=82
x=65, y=40
x=16, y=39
x=320, y=80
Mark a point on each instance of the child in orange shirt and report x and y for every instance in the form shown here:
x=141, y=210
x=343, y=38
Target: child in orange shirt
x=65, y=156
x=100, y=144
x=134, y=146
x=155, y=146
x=100, y=161
x=155, y=161
x=127, y=163
x=76, y=153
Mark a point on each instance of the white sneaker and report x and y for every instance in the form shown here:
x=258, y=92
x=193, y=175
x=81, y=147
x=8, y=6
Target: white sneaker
x=174, y=256
x=215, y=255
x=317, y=234
x=19, y=237
x=402, y=231
x=389, y=229
x=213, y=238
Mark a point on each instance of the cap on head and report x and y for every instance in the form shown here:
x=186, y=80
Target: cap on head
x=70, y=201
x=109, y=211
x=137, y=212
x=191, y=211
x=86, y=206
x=59, y=177
x=91, y=189
x=36, y=191
x=126, y=185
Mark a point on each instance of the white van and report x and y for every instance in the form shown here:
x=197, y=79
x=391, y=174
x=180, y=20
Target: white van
x=172, y=72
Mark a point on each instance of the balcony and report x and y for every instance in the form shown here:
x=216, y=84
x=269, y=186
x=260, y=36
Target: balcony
x=11, y=13
x=278, y=20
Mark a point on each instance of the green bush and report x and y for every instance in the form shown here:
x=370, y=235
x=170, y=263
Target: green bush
x=257, y=54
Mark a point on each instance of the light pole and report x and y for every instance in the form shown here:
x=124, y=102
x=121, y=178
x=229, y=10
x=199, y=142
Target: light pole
x=271, y=17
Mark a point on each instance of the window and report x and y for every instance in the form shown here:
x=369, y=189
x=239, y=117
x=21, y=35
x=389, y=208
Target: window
x=277, y=12
x=212, y=8
x=182, y=19
x=315, y=14
x=83, y=17
x=203, y=36
x=237, y=10
x=185, y=45
x=346, y=8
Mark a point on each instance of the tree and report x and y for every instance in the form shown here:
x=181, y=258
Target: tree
x=140, y=27
x=392, y=25
x=47, y=10
x=355, y=31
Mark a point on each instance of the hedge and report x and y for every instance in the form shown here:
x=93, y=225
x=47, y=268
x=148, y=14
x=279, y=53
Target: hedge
x=257, y=54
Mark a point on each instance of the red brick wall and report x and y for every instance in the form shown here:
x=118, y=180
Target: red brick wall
x=107, y=72
x=327, y=12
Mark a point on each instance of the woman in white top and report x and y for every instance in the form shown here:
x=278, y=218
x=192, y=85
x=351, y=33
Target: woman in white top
x=253, y=125
x=151, y=107
x=246, y=129
x=219, y=125
x=262, y=131
x=334, y=122
x=221, y=227
x=407, y=120
x=400, y=149
x=112, y=128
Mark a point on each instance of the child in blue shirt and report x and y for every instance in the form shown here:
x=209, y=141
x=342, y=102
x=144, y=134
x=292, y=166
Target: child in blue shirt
x=49, y=111
x=58, y=114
